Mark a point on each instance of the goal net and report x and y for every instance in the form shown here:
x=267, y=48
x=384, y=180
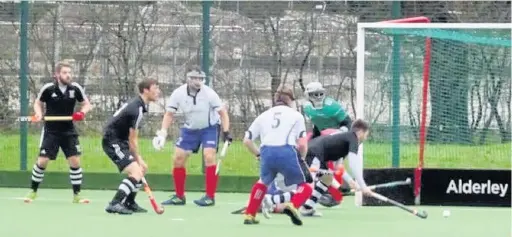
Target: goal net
x=436, y=94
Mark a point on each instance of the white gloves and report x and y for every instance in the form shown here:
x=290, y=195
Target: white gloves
x=343, y=129
x=159, y=140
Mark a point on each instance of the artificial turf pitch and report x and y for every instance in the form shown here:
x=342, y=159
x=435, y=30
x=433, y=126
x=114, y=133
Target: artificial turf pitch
x=53, y=215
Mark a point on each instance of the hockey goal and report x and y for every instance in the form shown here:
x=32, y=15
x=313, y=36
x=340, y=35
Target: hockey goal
x=436, y=94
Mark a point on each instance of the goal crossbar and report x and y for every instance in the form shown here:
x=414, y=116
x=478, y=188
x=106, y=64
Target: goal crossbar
x=434, y=25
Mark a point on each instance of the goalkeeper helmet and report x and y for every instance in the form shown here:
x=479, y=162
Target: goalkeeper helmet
x=315, y=92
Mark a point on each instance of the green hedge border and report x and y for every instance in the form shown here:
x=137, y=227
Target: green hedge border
x=110, y=181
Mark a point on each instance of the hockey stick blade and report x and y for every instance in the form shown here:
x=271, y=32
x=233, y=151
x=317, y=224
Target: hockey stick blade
x=157, y=208
x=420, y=214
x=221, y=156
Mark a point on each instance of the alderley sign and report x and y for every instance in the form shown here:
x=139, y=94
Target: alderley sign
x=466, y=187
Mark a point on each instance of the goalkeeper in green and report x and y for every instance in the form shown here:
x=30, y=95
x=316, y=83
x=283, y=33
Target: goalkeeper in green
x=324, y=112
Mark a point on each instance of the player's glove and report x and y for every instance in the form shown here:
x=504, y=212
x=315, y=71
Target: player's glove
x=227, y=137
x=78, y=116
x=343, y=129
x=159, y=140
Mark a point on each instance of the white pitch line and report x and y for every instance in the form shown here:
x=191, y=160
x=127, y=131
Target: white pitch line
x=92, y=200
x=234, y=203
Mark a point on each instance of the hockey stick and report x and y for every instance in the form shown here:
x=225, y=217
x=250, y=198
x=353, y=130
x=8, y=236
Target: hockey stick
x=387, y=185
x=221, y=156
x=420, y=214
x=46, y=118
x=158, y=209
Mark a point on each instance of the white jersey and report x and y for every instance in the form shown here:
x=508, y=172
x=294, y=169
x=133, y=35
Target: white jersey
x=200, y=111
x=278, y=126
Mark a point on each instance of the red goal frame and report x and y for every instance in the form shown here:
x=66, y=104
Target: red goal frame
x=423, y=118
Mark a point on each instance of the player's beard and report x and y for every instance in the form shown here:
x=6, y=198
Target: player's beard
x=65, y=81
x=195, y=85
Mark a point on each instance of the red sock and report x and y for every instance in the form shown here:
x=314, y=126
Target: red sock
x=338, y=176
x=302, y=194
x=211, y=181
x=330, y=165
x=257, y=195
x=335, y=193
x=179, y=175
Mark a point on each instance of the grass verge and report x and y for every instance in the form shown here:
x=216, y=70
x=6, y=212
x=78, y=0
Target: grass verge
x=238, y=160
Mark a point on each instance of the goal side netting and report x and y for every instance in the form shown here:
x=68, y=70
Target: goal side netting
x=437, y=95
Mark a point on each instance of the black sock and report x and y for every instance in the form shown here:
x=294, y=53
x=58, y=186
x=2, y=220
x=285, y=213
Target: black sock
x=319, y=190
x=37, y=177
x=130, y=199
x=125, y=188
x=75, y=175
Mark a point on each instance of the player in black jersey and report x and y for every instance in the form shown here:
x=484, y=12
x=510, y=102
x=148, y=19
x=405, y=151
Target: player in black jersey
x=60, y=98
x=344, y=145
x=120, y=143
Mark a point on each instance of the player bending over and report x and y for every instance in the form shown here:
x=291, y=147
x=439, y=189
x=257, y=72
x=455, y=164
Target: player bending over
x=330, y=148
x=120, y=143
x=203, y=111
x=325, y=113
x=60, y=97
x=282, y=131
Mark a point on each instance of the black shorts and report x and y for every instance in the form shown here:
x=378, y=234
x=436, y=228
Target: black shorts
x=316, y=161
x=51, y=142
x=118, y=151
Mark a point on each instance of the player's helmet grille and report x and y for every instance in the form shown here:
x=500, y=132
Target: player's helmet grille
x=315, y=91
x=319, y=95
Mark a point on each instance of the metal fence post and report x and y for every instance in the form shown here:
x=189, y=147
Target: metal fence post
x=205, y=59
x=23, y=84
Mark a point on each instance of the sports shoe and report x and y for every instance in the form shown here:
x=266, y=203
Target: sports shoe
x=293, y=213
x=205, y=201
x=30, y=197
x=328, y=201
x=309, y=212
x=267, y=207
x=175, y=200
x=118, y=208
x=250, y=220
x=135, y=208
x=78, y=199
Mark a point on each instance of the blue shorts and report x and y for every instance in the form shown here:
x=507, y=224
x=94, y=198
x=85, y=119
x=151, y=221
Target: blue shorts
x=273, y=190
x=191, y=139
x=284, y=160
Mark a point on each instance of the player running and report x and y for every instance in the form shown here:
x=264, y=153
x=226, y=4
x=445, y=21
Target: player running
x=329, y=148
x=120, y=143
x=282, y=131
x=203, y=112
x=60, y=98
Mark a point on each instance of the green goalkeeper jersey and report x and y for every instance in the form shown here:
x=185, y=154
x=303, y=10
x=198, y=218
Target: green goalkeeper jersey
x=329, y=115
